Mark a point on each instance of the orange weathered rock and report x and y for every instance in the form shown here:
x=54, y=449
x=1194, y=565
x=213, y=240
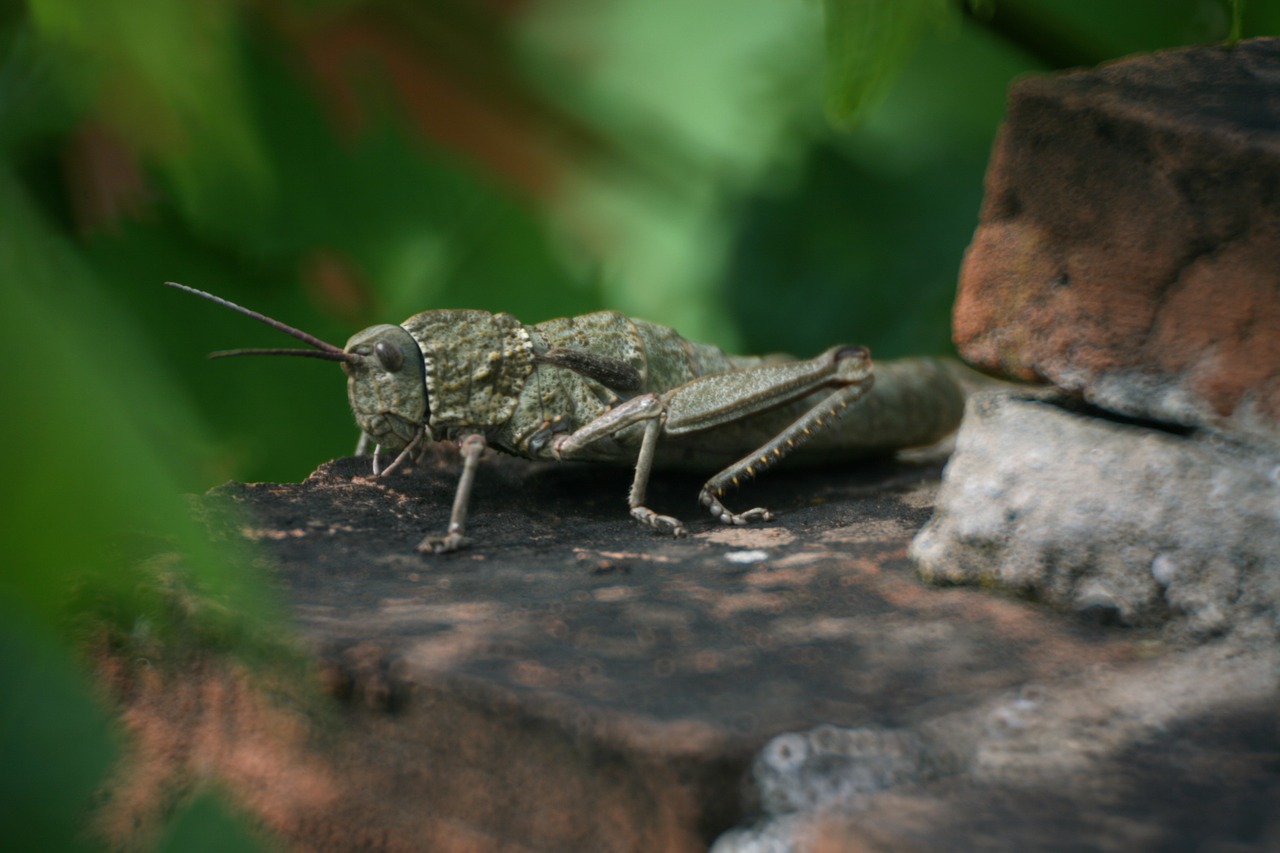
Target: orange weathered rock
x=1129, y=243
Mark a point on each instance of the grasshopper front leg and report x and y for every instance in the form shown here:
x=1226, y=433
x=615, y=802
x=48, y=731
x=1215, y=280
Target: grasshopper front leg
x=471, y=447
x=725, y=398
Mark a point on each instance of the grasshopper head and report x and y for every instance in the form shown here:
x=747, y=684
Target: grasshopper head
x=386, y=385
x=386, y=381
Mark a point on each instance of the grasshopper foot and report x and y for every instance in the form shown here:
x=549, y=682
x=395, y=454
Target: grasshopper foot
x=722, y=512
x=658, y=522
x=443, y=544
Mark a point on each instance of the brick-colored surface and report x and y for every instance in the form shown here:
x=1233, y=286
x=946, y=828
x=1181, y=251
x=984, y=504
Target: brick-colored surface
x=576, y=682
x=1129, y=241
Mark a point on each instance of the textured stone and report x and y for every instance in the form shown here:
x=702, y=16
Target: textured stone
x=1129, y=242
x=575, y=681
x=1044, y=768
x=809, y=770
x=1119, y=520
x=579, y=683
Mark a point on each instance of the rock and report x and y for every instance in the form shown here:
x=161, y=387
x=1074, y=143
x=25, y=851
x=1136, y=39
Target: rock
x=807, y=771
x=577, y=682
x=1128, y=248
x=1117, y=520
x=1045, y=768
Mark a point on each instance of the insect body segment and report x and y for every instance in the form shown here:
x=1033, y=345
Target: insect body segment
x=605, y=387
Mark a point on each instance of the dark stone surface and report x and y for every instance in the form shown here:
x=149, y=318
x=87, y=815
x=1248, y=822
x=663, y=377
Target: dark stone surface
x=564, y=595
x=577, y=681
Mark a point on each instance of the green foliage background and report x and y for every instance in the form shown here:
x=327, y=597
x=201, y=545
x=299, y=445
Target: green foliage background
x=762, y=174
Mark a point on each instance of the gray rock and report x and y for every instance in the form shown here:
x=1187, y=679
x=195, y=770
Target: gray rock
x=800, y=777
x=1003, y=774
x=808, y=770
x=1115, y=519
x=784, y=834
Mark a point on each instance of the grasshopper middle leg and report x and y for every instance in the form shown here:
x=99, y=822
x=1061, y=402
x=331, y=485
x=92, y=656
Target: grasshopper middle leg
x=724, y=398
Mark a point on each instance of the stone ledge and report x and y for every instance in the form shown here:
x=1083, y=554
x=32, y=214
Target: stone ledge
x=1123, y=521
x=578, y=682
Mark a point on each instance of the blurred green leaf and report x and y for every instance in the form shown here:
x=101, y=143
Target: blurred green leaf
x=1237, y=21
x=1259, y=18
x=864, y=246
x=101, y=428
x=207, y=825
x=166, y=75
x=715, y=97
x=867, y=43
x=100, y=434
x=1068, y=33
x=55, y=742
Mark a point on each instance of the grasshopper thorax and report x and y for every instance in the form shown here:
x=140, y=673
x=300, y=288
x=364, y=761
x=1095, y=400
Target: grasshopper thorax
x=385, y=385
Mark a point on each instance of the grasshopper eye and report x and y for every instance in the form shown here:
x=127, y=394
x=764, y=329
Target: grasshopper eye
x=389, y=355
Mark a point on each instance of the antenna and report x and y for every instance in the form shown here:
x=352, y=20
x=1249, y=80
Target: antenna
x=322, y=350
x=303, y=353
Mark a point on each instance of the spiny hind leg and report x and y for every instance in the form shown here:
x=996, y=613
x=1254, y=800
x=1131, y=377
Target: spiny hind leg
x=722, y=512
x=820, y=417
x=707, y=402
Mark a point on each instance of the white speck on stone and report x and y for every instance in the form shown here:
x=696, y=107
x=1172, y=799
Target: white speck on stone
x=1164, y=569
x=747, y=557
x=786, y=752
x=1013, y=716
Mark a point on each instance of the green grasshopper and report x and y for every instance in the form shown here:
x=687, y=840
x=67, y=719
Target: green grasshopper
x=604, y=387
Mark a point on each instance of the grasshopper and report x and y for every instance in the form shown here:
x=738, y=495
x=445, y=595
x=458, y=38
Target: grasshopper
x=604, y=387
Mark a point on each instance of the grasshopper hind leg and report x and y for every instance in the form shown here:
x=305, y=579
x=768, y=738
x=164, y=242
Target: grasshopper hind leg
x=707, y=402
x=813, y=421
x=724, y=514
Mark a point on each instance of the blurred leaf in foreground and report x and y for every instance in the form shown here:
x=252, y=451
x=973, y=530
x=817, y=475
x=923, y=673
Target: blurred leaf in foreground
x=209, y=825
x=99, y=426
x=55, y=742
x=97, y=434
